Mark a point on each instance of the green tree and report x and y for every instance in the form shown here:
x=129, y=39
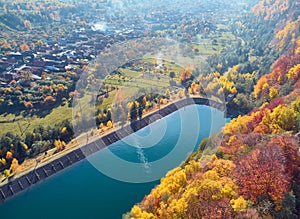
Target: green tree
x=133, y=112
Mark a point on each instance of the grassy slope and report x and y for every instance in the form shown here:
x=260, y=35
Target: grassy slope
x=56, y=116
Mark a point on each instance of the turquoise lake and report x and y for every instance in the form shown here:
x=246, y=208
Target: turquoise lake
x=92, y=188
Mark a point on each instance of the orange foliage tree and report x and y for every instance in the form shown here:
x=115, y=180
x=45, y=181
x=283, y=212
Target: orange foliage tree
x=24, y=47
x=14, y=165
x=186, y=74
x=261, y=172
x=49, y=100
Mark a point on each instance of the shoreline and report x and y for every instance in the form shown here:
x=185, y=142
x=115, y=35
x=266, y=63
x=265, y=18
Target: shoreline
x=64, y=159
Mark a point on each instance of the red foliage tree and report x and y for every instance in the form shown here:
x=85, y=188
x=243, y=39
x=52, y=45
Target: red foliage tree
x=275, y=102
x=261, y=172
x=220, y=208
x=240, y=144
x=290, y=150
x=255, y=121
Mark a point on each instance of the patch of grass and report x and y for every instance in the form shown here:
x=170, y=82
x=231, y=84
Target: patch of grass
x=108, y=101
x=113, y=81
x=155, y=82
x=84, y=105
x=207, y=46
x=130, y=73
x=7, y=117
x=57, y=115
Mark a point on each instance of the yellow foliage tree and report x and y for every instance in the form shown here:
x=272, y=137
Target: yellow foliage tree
x=259, y=86
x=191, y=167
x=59, y=145
x=223, y=167
x=3, y=161
x=129, y=105
x=163, y=101
x=177, y=208
x=64, y=130
x=168, y=93
x=14, y=165
x=294, y=72
x=9, y=155
x=139, y=214
x=6, y=173
x=147, y=105
x=239, y=204
x=227, y=85
x=109, y=124
x=25, y=146
x=273, y=93
x=296, y=105
x=195, y=88
x=181, y=93
x=144, y=100
x=238, y=125
x=284, y=116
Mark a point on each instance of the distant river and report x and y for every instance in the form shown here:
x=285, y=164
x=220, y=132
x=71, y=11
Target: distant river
x=82, y=191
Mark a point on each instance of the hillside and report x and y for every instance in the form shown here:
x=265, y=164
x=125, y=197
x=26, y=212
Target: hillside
x=255, y=172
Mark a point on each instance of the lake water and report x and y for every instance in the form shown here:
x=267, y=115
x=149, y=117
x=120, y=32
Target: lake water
x=91, y=188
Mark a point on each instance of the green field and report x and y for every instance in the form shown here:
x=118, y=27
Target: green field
x=56, y=116
x=215, y=41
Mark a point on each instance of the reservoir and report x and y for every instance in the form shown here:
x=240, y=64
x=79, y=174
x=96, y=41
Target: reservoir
x=109, y=182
